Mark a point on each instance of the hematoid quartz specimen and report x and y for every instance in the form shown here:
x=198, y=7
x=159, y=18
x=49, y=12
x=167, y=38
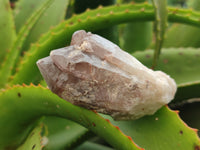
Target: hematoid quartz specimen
x=96, y=74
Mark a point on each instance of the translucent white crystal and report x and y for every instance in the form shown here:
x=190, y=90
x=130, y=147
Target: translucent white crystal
x=96, y=74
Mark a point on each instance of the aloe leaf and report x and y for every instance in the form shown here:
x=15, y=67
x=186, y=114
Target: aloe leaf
x=169, y=63
x=187, y=91
x=176, y=3
x=20, y=110
x=137, y=36
x=111, y=33
x=56, y=11
x=90, y=20
x=33, y=141
x=189, y=112
x=7, y=30
x=189, y=35
x=160, y=26
x=163, y=130
x=62, y=35
x=62, y=133
x=165, y=126
x=194, y=4
x=6, y=68
x=187, y=77
x=23, y=10
x=92, y=146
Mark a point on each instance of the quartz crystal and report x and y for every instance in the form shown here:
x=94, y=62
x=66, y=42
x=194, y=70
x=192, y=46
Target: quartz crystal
x=96, y=74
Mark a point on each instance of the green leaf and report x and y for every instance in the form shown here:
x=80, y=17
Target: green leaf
x=137, y=36
x=92, y=146
x=7, y=30
x=62, y=133
x=181, y=64
x=60, y=36
x=189, y=35
x=22, y=106
x=110, y=33
x=33, y=141
x=189, y=112
x=164, y=127
x=6, y=68
x=177, y=3
x=163, y=130
x=53, y=15
x=160, y=26
x=194, y=4
x=187, y=91
x=23, y=10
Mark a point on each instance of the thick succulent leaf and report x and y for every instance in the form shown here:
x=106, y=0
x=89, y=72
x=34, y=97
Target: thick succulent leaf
x=51, y=17
x=190, y=112
x=137, y=36
x=33, y=141
x=23, y=10
x=110, y=33
x=92, y=146
x=163, y=130
x=21, y=106
x=171, y=62
x=62, y=35
x=160, y=26
x=81, y=6
x=7, y=30
x=190, y=36
x=181, y=64
x=6, y=68
x=42, y=102
x=176, y=3
x=91, y=20
x=187, y=91
x=62, y=133
x=194, y=4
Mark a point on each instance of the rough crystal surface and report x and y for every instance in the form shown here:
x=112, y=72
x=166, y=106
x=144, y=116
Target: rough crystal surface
x=96, y=74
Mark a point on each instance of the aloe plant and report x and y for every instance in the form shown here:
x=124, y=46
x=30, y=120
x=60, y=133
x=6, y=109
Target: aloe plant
x=32, y=117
